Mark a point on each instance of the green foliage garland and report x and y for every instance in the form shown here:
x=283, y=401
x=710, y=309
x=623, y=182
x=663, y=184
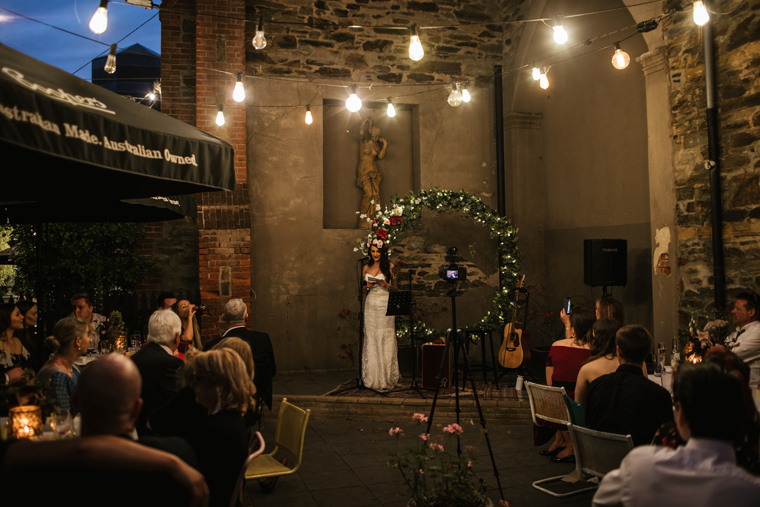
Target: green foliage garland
x=405, y=214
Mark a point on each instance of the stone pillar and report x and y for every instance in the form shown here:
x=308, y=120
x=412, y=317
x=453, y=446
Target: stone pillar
x=526, y=186
x=662, y=197
x=224, y=224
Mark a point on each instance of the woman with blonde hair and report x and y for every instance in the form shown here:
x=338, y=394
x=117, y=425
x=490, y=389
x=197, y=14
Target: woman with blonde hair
x=69, y=342
x=223, y=386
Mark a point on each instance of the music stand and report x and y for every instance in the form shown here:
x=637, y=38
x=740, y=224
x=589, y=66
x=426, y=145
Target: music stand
x=400, y=303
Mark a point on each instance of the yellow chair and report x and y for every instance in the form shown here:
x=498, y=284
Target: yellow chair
x=289, y=436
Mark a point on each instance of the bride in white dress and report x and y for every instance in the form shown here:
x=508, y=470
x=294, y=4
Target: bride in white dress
x=380, y=355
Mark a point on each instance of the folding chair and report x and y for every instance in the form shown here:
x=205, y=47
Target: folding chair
x=237, y=493
x=291, y=429
x=596, y=454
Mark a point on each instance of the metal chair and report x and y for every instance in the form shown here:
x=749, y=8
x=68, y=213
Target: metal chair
x=547, y=407
x=289, y=436
x=237, y=493
x=596, y=454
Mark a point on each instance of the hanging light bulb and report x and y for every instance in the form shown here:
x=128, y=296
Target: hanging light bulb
x=111, y=60
x=455, y=97
x=308, y=119
x=99, y=21
x=353, y=102
x=220, y=115
x=465, y=93
x=415, y=46
x=238, y=94
x=543, y=82
x=536, y=72
x=701, y=16
x=259, y=41
x=620, y=59
x=560, y=35
x=390, y=111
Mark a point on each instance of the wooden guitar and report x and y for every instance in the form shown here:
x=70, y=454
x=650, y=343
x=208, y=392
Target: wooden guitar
x=511, y=352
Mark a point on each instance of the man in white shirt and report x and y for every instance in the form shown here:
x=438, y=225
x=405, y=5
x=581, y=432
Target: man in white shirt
x=709, y=407
x=745, y=340
x=81, y=304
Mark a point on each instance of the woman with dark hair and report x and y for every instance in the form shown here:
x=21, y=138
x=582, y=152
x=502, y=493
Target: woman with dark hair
x=70, y=340
x=28, y=335
x=565, y=359
x=380, y=355
x=191, y=331
x=603, y=358
x=13, y=355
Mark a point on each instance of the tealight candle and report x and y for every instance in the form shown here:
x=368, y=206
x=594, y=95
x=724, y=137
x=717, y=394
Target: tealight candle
x=25, y=422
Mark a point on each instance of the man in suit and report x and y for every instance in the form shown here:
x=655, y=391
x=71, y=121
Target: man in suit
x=160, y=369
x=265, y=368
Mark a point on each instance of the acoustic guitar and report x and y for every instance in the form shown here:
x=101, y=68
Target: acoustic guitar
x=511, y=353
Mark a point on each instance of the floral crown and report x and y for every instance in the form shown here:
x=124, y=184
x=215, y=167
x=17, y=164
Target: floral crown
x=377, y=242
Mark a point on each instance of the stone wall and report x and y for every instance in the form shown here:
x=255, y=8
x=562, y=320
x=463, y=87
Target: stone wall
x=737, y=52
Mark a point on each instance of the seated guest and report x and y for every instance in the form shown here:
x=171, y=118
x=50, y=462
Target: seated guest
x=117, y=472
x=603, y=358
x=70, y=339
x=745, y=341
x=13, y=356
x=160, y=370
x=610, y=308
x=28, y=335
x=223, y=387
x=191, y=331
x=747, y=448
x=709, y=407
x=235, y=315
x=81, y=305
x=182, y=413
x=627, y=402
x=164, y=301
x=565, y=359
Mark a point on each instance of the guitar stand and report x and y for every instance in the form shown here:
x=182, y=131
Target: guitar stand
x=358, y=381
x=454, y=338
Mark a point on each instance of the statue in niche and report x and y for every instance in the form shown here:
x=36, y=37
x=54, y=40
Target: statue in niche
x=372, y=147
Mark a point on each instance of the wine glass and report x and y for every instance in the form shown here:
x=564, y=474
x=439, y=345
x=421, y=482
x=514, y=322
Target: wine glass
x=661, y=352
x=62, y=424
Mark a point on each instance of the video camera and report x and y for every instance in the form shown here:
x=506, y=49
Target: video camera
x=452, y=272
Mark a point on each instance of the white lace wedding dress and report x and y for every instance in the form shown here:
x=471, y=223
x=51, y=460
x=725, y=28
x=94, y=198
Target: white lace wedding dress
x=380, y=354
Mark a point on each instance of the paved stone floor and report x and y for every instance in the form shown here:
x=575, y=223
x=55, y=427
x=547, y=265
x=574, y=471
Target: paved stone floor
x=345, y=460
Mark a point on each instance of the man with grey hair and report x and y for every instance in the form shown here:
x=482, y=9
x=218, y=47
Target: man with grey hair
x=160, y=369
x=265, y=368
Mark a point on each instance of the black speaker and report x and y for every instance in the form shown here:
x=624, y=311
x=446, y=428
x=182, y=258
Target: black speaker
x=605, y=262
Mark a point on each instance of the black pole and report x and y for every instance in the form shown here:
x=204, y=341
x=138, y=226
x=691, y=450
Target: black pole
x=498, y=104
x=713, y=165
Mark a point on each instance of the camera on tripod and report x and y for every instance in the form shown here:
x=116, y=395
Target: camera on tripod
x=452, y=272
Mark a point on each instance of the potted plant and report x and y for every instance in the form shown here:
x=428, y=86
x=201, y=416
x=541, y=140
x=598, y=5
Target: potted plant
x=436, y=477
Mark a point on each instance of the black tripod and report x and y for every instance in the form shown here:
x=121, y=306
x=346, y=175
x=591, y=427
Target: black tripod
x=358, y=381
x=459, y=346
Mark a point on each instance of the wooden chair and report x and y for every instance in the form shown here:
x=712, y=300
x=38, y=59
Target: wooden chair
x=289, y=436
x=237, y=493
x=596, y=454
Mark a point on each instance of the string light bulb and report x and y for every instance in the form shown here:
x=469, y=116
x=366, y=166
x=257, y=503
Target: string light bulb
x=465, y=93
x=353, y=102
x=536, y=72
x=259, y=40
x=308, y=118
x=455, y=97
x=620, y=59
x=415, y=45
x=110, y=66
x=220, y=115
x=701, y=16
x=99, y=21
x=560, y=35
x=391, y=111
x=238, y=94
x=543, y=82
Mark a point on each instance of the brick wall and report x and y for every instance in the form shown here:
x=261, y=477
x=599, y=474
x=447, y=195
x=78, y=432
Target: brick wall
x=203, y=47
